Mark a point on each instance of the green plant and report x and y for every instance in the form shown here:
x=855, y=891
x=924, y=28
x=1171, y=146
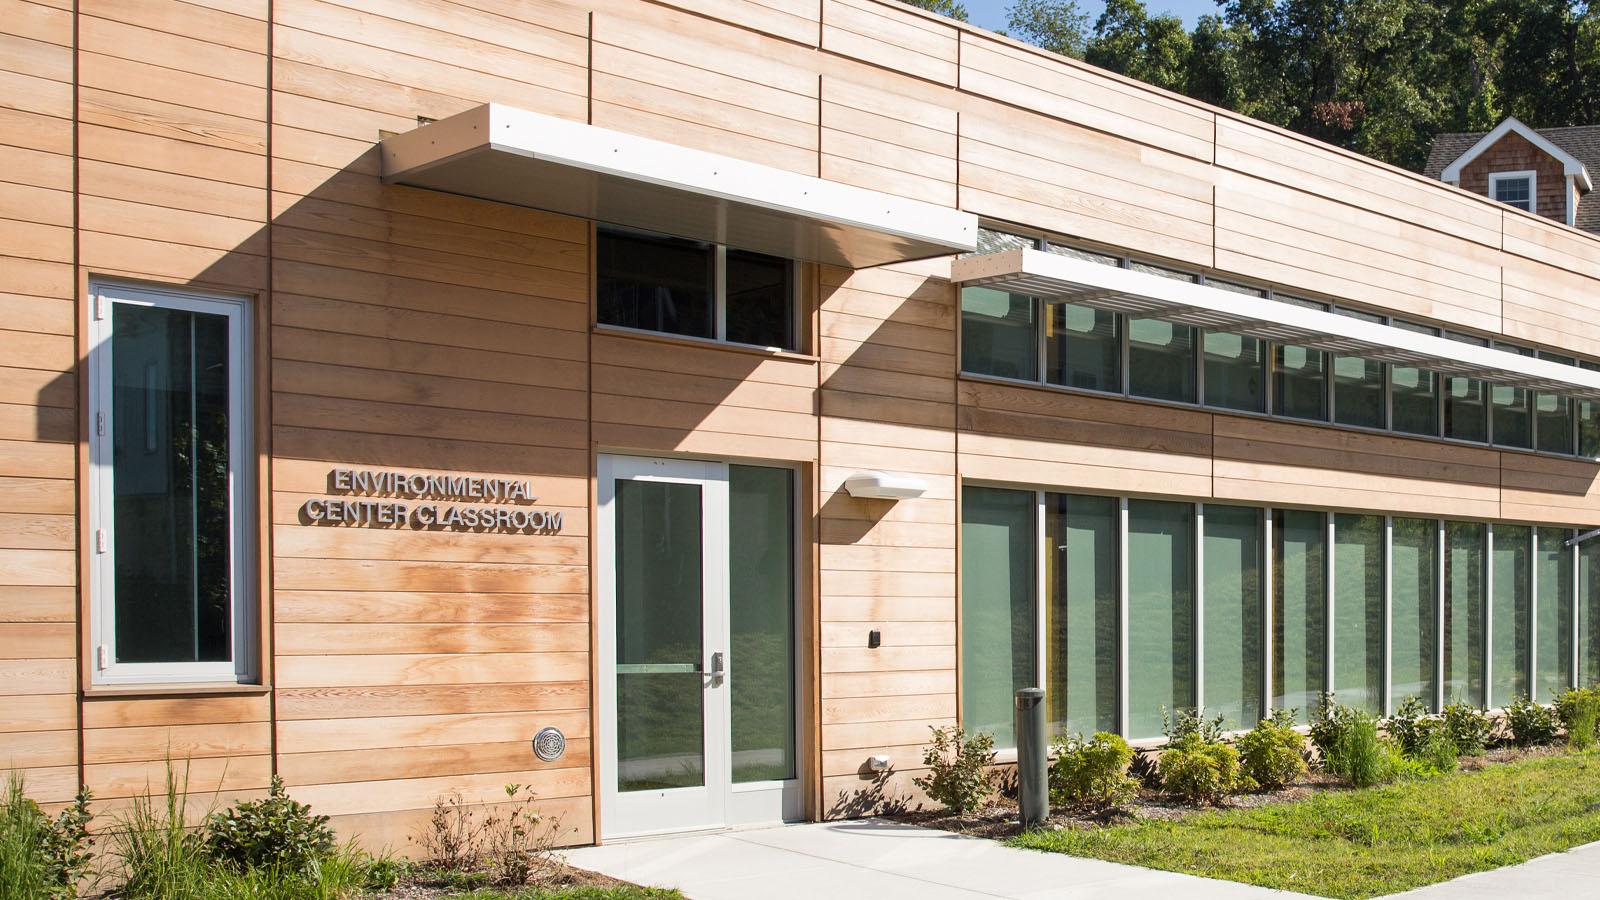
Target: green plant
x=1531, y=724
x=1579, y=713
x=1347, y=742
x=1411, y=727
x=274, y=832
x=1185, y=722
x=41, y=857
x=1273, y=753
x=1200, y=771
x=1092, y=773
x=1470, y=728
x=958, y=776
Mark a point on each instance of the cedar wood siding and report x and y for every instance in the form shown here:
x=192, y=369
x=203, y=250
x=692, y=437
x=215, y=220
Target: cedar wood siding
x=229, y=145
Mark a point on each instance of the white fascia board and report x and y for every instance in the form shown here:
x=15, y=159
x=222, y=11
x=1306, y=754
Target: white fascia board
x=1066, y=279
x=511, y=155
x=1570, y=165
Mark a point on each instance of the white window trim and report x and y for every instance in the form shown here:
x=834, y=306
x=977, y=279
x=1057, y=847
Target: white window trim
x=1533, y=186
x=244, y=626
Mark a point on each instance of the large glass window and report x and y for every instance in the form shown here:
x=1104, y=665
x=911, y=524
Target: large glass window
x=1589, y=421
x=1358, y=611
x=1510, y=617
x=998, y=582
x=1554, y=415
x=1300, y=377
x=1414, y=393
x=1299, y=610
x=1232, y=614
x=1415, y=607
x=170, y=491
x=1465, y=556
x=1160, y=612
x=1553, y=607
x=1161, y=360
x=1235, y=366
x=690, y=288
x=997, y=336
x=1358, y=384
x=1083, y=347
x=1589, y=613
x=1081, y=571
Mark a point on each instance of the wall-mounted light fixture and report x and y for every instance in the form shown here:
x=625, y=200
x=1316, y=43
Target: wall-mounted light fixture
x=884, y=486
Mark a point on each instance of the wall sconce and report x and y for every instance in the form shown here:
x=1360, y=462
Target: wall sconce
x=883, y=486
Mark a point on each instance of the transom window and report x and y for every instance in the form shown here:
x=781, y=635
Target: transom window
x=1514, y=189
x=170, y=487
x=1067, y=345
x=670, y=285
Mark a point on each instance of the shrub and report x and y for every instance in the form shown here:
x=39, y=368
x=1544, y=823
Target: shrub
x=1411, y=726
x=41, y=857
x=958, y=776
x=1186, y=722
x=1531, y=724
x=507, y=844
x=1273, y=754
x=1093, y=773
x=1348, y=744
x=1437, y=752
x=1579, y=713
x=1470, y=729
x=272, y=833
x=1200, y=771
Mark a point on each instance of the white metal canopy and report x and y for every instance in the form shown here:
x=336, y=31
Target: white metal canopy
x=1070, y=280
x=514, y=156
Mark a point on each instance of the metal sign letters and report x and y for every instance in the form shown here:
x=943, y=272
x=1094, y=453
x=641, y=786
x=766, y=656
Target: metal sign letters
x=377, y=499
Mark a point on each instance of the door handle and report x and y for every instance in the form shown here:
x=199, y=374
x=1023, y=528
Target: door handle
x=718, y=670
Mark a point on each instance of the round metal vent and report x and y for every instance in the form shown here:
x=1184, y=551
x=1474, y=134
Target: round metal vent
x=549, y=744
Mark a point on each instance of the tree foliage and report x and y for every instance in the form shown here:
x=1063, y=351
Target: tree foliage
x=1380, y=77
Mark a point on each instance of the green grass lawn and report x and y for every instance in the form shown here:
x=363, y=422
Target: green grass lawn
x=1356, y=844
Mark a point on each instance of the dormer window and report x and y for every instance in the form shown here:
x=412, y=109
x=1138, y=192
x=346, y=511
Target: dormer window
x=1514, y=189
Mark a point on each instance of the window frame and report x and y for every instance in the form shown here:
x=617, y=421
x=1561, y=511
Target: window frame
x=245, y=605
x=798, y=314
x=1532, y=175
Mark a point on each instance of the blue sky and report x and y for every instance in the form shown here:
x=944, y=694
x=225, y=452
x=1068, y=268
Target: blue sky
x=991, y=14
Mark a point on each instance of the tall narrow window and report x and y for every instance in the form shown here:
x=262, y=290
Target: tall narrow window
x=1589, y=421
x=1233, y=615
x=1415, y=607
x=1555, y=416
x=1510, y=618
x=761, y=622
x=1081, y=571
x=170, y=488
x=1299, y=610
x=1589, y=613
x=1300, y=377
x=1358, y=384
x=759, y=302
x=997, y=335
x=1553, y=605
x=1414, y=393
x=998, y=579
x=1465, y=557
x=1466, y=404
x=1358, y=611
x=1512, y=412
x=1160, y=613
x=1083, y=347
x=1235, y=366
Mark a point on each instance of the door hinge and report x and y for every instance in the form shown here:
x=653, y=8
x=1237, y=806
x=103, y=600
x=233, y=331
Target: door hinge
x=99, y=540
x=100, y=424
x=100, y=657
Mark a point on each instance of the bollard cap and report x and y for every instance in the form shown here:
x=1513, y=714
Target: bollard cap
x=1028, y=697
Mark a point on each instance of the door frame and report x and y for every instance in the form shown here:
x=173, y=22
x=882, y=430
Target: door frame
x=800, y=795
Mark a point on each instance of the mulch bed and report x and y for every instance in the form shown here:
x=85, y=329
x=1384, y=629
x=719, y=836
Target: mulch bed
x=425, y=885
x=998, y=819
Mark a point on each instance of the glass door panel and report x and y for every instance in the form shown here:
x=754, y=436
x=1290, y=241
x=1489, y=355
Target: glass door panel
x=660, y=636
x=762, y=665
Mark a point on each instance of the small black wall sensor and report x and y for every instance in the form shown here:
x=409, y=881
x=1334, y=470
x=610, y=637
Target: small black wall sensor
x=874, y=638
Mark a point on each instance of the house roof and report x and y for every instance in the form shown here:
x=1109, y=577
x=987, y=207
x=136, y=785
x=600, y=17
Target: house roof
x=1581, y=142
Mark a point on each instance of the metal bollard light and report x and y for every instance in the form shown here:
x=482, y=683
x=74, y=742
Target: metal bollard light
x=1033, y=780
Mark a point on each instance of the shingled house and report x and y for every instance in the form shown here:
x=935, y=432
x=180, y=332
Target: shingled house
x=1544, y=171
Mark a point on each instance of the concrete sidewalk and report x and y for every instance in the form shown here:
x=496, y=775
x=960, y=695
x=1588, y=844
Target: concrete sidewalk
x=1559, y=876
x=885, y=860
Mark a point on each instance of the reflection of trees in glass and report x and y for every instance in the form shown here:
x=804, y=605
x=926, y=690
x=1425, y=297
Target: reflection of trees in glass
x=761, y=664
x=1299, y=636
x=1511, y=620
x=1415, y=559
x=1464, y=597
x=1081, y=574
x=1358, y=611
x=1233, y=614
x=1160, y=612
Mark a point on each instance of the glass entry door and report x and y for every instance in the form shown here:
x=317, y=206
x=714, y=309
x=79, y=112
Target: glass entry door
x=698, y=658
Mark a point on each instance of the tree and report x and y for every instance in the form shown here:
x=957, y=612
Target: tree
x=1056, y=25
x=1127, y=40
x=952, y=8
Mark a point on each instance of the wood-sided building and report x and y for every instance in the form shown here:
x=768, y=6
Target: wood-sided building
x=681, y=407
